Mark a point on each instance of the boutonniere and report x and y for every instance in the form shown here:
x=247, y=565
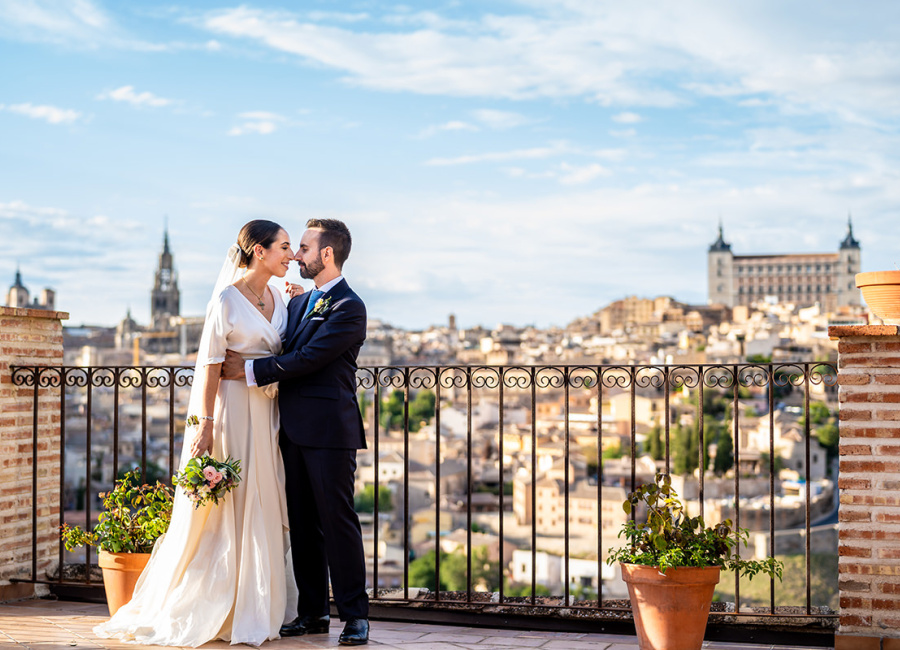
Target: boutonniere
x=321, y=306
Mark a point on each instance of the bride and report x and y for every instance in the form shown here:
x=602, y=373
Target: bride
x=220, y=571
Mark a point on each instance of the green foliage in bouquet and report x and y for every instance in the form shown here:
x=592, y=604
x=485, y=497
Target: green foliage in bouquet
x=135, y=516
x=670, y=539
x=205, y=479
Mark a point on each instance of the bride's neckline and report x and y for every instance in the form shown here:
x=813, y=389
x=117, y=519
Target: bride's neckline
x=253, y=307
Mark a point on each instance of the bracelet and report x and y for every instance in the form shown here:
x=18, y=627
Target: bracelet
x=194, y=420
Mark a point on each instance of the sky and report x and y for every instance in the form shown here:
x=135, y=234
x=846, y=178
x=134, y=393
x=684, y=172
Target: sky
x=523, y=161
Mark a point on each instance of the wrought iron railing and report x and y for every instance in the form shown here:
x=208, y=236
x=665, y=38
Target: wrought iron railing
x=102, y=410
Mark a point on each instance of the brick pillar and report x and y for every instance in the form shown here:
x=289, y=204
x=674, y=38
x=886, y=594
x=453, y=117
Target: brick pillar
x=28, y=337
x=869, y=483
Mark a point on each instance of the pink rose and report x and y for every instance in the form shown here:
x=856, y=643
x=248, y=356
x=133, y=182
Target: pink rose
x=217, y=478
x=209, y=473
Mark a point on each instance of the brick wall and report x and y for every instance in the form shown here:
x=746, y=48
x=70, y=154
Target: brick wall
x=869, y=483
x=28, y=337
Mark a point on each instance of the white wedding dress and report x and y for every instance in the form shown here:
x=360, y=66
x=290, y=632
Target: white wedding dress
x=220, y=572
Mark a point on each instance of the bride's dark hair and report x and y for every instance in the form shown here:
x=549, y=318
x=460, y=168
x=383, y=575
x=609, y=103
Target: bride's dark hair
x=258, y=231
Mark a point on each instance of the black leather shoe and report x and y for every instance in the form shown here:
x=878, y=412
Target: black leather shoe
x=356, y=632
x=306, y=625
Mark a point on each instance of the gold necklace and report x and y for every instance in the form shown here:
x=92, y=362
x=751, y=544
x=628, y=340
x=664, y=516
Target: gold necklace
x=260, y=302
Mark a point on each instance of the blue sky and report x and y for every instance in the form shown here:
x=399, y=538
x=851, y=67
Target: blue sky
x=523, y=162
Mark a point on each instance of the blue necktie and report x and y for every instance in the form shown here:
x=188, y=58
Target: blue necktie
x=313, y=298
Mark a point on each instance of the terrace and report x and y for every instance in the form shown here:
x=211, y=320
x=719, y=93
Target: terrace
x=527, y=560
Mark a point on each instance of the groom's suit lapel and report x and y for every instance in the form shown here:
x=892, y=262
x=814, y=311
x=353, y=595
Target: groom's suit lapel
x=302, y=324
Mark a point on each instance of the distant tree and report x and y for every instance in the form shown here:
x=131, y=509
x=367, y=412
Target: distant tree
x=421, y=410
x=685, y=449
x=485, y=573
x=724, y=453
x=365, y=500
x=818, y=414
x=613, y=452
x=758, y=358
x=655, y=447
x=829, y=436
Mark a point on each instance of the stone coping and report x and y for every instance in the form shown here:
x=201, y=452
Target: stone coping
x=34, y=313
x=843, y=331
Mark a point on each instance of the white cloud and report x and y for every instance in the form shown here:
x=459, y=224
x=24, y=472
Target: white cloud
x=51, y=114
x=615, y=54
x=128, y=95
x=627, y=117
x=258, y=122
x=578, y=175
x=52, y=19
x=453, y=125
x=533, y=153
x=623, y=133
x=500, y=119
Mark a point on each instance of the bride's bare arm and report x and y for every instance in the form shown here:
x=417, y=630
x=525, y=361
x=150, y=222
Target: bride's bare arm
x=203, y=439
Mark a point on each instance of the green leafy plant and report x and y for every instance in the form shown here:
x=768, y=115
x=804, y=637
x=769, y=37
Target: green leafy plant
x=135, y=516
x=670, y=539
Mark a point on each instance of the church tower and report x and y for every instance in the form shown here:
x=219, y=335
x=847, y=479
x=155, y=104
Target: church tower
x=165, y=297
x=720, y=269
x=17, y=296
x=849, y=265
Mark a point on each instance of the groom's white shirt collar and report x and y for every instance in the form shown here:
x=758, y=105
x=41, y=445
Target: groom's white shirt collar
x=248, y=364
x=328, y=286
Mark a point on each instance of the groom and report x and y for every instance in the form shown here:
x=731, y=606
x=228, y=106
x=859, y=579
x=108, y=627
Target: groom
x=321, y=429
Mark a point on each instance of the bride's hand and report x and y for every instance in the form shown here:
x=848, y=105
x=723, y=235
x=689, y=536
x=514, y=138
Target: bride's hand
x=203, y=439
x=293, y=290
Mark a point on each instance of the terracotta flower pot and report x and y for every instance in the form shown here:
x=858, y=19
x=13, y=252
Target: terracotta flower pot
x=120, y=573
x=881, y=291
x=670, y=611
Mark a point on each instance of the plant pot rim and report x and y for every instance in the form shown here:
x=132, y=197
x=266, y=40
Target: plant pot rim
x=674, y=576
x=877, y=277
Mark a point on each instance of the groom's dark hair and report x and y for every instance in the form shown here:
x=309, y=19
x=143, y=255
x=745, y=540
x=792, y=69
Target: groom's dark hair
x=334, y=233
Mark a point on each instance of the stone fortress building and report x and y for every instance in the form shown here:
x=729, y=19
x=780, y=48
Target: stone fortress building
x=802, y=279
x=19, y=297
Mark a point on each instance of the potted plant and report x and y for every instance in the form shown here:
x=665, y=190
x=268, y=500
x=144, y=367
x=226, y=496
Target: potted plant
x=134, y=516
x=881, y=291
x=671, y=567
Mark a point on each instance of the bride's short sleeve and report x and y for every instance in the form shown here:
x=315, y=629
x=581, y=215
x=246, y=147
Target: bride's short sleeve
x=216, y=329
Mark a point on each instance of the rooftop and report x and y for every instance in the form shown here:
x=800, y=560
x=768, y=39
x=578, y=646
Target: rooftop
x=58, y=624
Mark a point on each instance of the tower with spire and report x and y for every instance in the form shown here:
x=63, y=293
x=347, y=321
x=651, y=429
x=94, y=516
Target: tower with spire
x=19, y=296
x=848, y=267
x=800, y=279
x=165, y=299
x=720, y=263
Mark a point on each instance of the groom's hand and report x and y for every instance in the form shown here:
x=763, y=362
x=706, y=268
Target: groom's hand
x=233, y=366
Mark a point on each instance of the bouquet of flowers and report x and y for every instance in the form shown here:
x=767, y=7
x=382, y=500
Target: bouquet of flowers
x=206, y=479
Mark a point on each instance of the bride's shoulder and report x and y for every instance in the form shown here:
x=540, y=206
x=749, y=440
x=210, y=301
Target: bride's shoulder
x=225, y=297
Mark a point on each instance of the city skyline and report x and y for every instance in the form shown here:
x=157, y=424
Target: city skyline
x=513, y=161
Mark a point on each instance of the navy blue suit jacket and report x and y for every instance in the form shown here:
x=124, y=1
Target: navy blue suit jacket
x=317, y=372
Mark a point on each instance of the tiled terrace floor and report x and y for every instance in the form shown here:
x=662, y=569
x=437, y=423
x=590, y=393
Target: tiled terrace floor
x=46, y=625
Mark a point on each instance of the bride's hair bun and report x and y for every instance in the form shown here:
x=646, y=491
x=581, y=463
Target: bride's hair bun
x=258, y=231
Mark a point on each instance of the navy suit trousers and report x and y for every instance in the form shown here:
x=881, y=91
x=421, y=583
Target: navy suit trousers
x=325, y=534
